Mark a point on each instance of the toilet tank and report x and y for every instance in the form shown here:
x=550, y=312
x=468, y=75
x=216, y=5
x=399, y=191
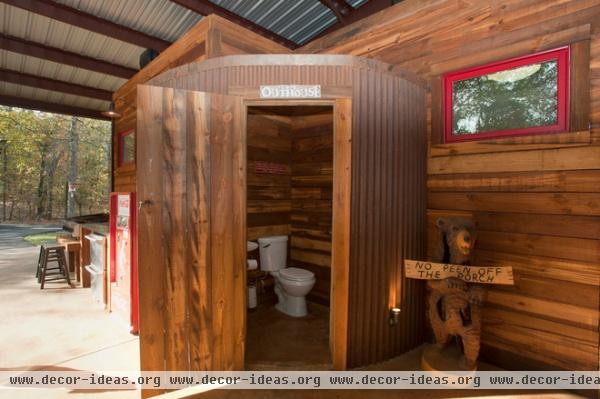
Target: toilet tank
x=273, y=252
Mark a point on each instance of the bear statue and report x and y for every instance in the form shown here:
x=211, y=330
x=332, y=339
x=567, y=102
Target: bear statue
x=455, y=306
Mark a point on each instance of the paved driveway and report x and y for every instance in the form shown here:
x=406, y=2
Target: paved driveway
x=11, y=235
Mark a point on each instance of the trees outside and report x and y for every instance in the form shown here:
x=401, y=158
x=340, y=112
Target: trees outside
x=517, y=98
x=45, y=155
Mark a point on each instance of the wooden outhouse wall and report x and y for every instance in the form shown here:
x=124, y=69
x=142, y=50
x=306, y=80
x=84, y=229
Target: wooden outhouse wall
x=388, y=220
x=537, y=200
x=212, y=37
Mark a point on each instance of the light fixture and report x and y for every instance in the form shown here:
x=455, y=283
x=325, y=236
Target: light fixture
x=394, y=316
x=111, y=113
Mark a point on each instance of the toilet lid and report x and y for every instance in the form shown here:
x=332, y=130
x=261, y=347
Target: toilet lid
x=293, y=273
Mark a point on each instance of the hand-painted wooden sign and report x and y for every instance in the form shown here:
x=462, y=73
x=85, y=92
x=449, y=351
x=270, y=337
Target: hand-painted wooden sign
x=290, y=91
x=470, y=274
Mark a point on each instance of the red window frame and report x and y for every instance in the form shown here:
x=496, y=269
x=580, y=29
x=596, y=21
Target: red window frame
x=562, y=55
x=121, y=155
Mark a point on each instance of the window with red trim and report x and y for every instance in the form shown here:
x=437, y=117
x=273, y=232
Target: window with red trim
x=521, y=96
x=126, y=147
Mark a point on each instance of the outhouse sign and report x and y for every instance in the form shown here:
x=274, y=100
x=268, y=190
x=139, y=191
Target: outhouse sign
x=290, y=91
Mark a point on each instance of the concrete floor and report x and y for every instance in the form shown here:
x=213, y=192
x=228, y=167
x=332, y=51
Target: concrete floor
x=56, y=328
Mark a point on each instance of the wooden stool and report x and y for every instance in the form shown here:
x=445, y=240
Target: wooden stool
x=38, y=273
x=54, y=253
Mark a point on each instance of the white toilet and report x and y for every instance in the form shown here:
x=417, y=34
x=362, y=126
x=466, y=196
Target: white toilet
x=291, y=283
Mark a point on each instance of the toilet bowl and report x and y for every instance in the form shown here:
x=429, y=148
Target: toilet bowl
x=292, y=284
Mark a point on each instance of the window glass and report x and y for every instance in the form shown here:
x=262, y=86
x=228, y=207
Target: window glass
x=511, y=99
x=128, y=148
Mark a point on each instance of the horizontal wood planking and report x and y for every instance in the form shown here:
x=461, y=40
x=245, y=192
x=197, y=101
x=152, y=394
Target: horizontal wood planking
x=543, y=287
x=577, y=158
x=268, y=195
x=312, y=184
x=585, y=204
x=529, y=193
x=541, y=266
x=553, y=351
x=522, y=143
x=254, y=233
x=573, y=315
x=582, y=181
x=578, y=249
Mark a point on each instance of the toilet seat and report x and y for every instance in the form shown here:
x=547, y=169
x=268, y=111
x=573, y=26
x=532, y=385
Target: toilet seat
x=296, y=274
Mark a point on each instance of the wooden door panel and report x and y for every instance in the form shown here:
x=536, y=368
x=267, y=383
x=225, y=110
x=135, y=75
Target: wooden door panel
x=191, y=229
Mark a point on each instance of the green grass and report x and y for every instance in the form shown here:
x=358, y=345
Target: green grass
x=41, y=238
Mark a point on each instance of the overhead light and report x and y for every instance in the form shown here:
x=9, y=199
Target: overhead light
x=111, y=113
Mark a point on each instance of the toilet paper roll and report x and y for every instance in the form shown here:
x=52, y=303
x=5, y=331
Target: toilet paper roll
x=252, y=300
x=252, y=264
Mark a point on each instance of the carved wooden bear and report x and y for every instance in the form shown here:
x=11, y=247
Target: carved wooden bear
x=455, y=306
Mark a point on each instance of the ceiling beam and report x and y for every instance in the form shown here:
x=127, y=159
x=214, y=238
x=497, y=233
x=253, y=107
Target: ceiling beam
x=89, y=22
x=24, y=79
x=205, y=7
x=27, y=103
x=365, y=10
x=25, y=47
x=340, y=8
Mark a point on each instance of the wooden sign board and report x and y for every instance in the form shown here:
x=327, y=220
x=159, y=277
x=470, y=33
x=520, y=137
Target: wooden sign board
x=470, y=274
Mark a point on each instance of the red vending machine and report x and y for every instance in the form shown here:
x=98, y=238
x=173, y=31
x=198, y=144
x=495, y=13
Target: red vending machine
x=123, y=258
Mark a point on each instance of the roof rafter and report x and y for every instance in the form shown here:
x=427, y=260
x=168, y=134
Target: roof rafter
x=19, y=78
x=89, y=22
x=205, y=7
x=27, y=103
x=368, y=8
x=340, y=8
x=25, y=47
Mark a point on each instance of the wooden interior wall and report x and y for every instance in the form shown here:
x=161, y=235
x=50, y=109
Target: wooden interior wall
x=269, y=175
x=537, y=200
x=212, y=37
x=388, y=180
x=312, y=190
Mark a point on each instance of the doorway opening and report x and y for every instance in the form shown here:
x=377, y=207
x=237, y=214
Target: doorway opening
x=289, y=205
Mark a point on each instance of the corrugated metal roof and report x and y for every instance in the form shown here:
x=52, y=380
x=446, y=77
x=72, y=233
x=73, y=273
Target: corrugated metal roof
x=161, y=18
x=296, y=20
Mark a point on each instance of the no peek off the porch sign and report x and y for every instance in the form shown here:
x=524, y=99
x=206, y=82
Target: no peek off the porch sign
x=470, y=274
